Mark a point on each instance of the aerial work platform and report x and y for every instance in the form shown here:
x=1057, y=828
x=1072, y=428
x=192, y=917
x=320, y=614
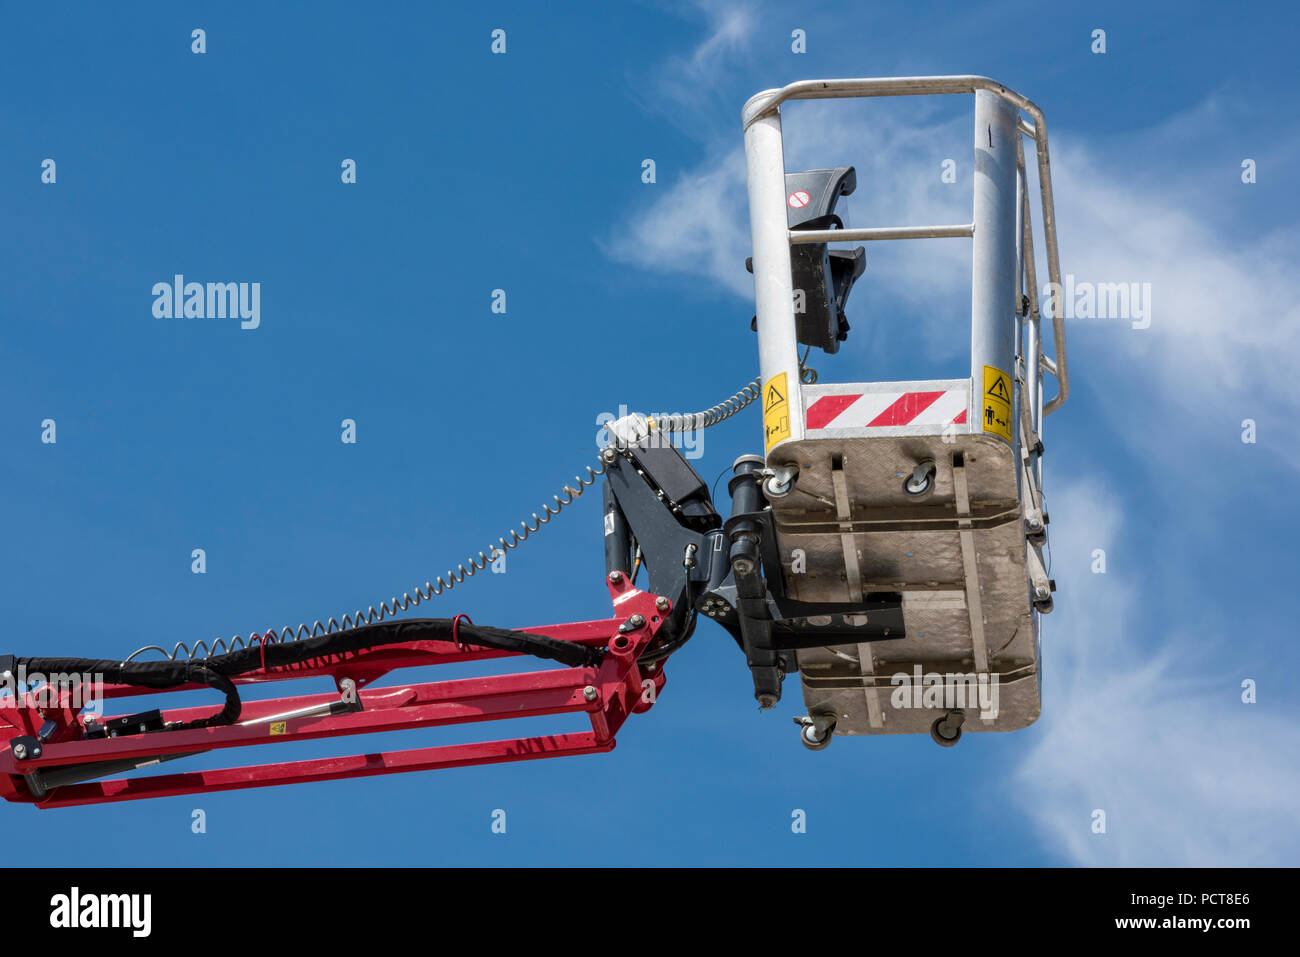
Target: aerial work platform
x=887, y=547
x=926, y=490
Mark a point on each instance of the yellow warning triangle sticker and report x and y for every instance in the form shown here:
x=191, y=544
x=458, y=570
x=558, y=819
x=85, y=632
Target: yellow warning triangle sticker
x=999, y=388
x=995, y=414
x=776, y=411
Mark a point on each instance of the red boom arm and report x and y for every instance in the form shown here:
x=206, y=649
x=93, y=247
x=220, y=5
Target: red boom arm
x=53, y=738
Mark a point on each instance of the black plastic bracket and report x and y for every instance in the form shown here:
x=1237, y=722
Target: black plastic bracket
x=659, y=500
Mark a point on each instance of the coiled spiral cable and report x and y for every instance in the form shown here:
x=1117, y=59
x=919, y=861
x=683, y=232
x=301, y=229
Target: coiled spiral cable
x=711, y=416
x=516, y=537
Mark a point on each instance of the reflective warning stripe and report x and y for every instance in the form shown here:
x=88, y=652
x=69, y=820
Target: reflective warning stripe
x=867, y=410
x=822, y=412
x=906, y=409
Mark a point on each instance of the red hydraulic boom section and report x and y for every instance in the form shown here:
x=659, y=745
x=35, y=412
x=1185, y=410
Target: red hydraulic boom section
x=609, y=692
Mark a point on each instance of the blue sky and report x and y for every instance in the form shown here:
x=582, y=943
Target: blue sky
x=523, y=172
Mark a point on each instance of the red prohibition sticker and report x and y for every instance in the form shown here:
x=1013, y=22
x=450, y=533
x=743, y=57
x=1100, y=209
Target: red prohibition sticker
x=798, y=199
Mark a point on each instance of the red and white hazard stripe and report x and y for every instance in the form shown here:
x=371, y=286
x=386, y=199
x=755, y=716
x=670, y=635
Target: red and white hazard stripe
x=883, y=407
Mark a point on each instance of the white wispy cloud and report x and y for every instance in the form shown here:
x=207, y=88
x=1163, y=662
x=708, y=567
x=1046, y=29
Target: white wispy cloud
x=698, y=223
x=1186, y=774
x=688, y=90
x=1224, y=307
x=1225, y=321
x=697, y=227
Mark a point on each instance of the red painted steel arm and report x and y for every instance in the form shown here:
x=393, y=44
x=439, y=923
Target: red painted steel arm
x=608, y=693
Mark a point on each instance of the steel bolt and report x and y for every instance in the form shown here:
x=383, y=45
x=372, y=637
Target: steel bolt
x=636, y=621
x=20, y=751
x=661, y=604
x=590, y=693
x=615, y=577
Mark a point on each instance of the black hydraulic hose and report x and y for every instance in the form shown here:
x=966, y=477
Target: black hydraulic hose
x=217, y=670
